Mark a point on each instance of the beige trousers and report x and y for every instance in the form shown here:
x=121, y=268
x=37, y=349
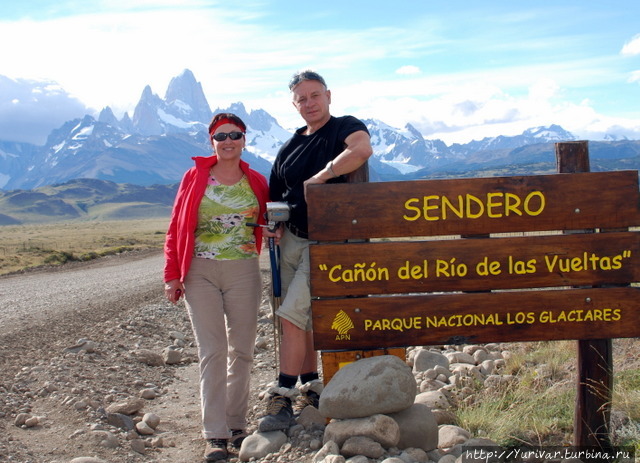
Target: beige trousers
x=294, y=275
x=222, y=298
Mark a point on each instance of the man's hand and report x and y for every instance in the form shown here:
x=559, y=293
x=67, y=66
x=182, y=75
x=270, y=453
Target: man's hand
x=312, y=181
x=277, y=234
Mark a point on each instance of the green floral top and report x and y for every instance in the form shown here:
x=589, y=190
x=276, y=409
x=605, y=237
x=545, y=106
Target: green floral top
x=222, y=231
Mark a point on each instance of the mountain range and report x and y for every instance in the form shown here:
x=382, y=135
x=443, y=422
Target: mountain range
x=153, y=147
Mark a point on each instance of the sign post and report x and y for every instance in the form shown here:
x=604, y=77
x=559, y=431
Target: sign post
x=595, y=356
x=412, y=278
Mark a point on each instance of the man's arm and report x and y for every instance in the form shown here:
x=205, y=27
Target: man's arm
x=356, y=152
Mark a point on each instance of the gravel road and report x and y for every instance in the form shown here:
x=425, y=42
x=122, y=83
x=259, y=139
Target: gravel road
x=34, y=297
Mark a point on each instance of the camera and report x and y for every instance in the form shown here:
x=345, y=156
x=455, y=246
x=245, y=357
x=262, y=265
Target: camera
x=277, y=211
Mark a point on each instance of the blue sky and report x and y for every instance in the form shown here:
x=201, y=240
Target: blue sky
x=456, y=70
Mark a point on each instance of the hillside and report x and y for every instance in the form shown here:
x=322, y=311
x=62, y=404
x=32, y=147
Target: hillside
x=86, y=199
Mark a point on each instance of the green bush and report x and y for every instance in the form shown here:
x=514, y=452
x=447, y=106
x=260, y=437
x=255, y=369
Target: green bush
x=59, y=257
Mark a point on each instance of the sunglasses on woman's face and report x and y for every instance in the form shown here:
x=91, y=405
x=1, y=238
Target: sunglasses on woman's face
x=222, y=136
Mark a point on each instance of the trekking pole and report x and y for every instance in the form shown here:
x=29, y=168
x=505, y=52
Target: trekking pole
x=276, y=288
x=276, y=212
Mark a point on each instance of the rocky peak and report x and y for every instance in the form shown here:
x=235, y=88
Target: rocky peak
x=185, y=99
x=145, y=115
x=107, y=116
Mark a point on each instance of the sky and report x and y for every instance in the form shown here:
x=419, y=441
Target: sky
x=455, y=70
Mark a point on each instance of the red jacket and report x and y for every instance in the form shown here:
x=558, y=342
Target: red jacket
x=180, y=240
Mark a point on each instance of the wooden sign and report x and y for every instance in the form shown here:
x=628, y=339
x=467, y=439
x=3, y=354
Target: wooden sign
x=469, y=318
x=473, y=206
x=474, y=264
x=416, y=290
x=577, y=280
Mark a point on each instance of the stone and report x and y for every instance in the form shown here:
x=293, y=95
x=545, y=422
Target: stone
x=361, y=445
x=177, y=335
x=120, y=420
x=148, y=357
x=370, y=386
x=329, y=448
x=451, y=435
x=414, y=455
x=148, y=393
x=151, y=419
x=20, y=419
x=138, y=446
x=129, y=407
x=418, y=428
x=259, y=445
x=433, y=399
x=32, y=422
x=358, y=459
x=144, y=429
x=460, y=357
x=334, y=459
x=310, y=417
x=172, y=355
x=444, y=416
x=426, y=360
x=380, y=428
x=84, y=345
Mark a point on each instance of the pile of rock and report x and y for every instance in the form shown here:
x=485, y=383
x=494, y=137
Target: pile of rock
x=389, y=410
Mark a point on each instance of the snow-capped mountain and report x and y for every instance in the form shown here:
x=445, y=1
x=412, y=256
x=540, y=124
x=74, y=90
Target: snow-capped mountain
x=405, y=150
x=155, y=146
x=184, y=108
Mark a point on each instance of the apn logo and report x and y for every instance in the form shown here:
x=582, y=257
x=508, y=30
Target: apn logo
x=342, y=324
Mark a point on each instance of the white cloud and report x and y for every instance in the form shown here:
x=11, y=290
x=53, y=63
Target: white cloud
x=108, y=59
x=632, y=47
x=30, y=110
x=408, y=70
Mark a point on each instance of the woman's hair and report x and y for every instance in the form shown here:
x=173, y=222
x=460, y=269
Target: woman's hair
x=226, y=118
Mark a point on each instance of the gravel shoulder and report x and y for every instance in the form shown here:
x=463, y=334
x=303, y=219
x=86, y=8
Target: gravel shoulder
x=118, y=304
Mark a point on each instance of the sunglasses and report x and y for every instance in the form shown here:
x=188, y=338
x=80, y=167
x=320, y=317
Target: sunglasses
x=222, y=136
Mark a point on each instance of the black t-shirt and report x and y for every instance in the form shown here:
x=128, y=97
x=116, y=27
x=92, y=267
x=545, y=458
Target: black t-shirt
x=303, y=156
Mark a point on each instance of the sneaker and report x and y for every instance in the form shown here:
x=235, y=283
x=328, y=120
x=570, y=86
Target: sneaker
x=279, y=415
x=216, y=450
x=237, y=437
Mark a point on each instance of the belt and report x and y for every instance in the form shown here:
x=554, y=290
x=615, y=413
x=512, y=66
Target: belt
x=296, y=231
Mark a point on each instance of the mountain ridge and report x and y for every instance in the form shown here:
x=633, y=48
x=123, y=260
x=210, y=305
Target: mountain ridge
x=156, y=144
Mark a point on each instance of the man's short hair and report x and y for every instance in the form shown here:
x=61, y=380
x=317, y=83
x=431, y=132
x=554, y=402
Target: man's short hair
x=307, y=74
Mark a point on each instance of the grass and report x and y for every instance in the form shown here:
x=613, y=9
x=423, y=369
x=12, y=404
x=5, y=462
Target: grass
x=538, y=408
x=27, y=246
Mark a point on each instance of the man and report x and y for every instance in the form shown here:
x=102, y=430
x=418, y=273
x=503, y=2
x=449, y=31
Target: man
x=323, y=151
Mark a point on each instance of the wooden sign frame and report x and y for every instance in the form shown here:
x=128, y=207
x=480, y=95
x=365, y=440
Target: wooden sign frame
x=582, y=220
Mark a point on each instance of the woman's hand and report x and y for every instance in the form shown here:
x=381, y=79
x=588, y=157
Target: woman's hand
x=173, y=290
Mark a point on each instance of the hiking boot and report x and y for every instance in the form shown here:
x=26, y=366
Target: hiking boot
x=310, y=395
x=279, y=415
x=216, y=450
x=237, y=437
x=306, y=399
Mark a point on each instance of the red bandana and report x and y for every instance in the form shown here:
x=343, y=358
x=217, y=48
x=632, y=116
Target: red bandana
x=223, y=121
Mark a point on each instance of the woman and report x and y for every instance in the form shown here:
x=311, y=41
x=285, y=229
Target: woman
x=211, y=257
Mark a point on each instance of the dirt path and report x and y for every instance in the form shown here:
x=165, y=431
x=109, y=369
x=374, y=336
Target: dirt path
x=118, y=304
